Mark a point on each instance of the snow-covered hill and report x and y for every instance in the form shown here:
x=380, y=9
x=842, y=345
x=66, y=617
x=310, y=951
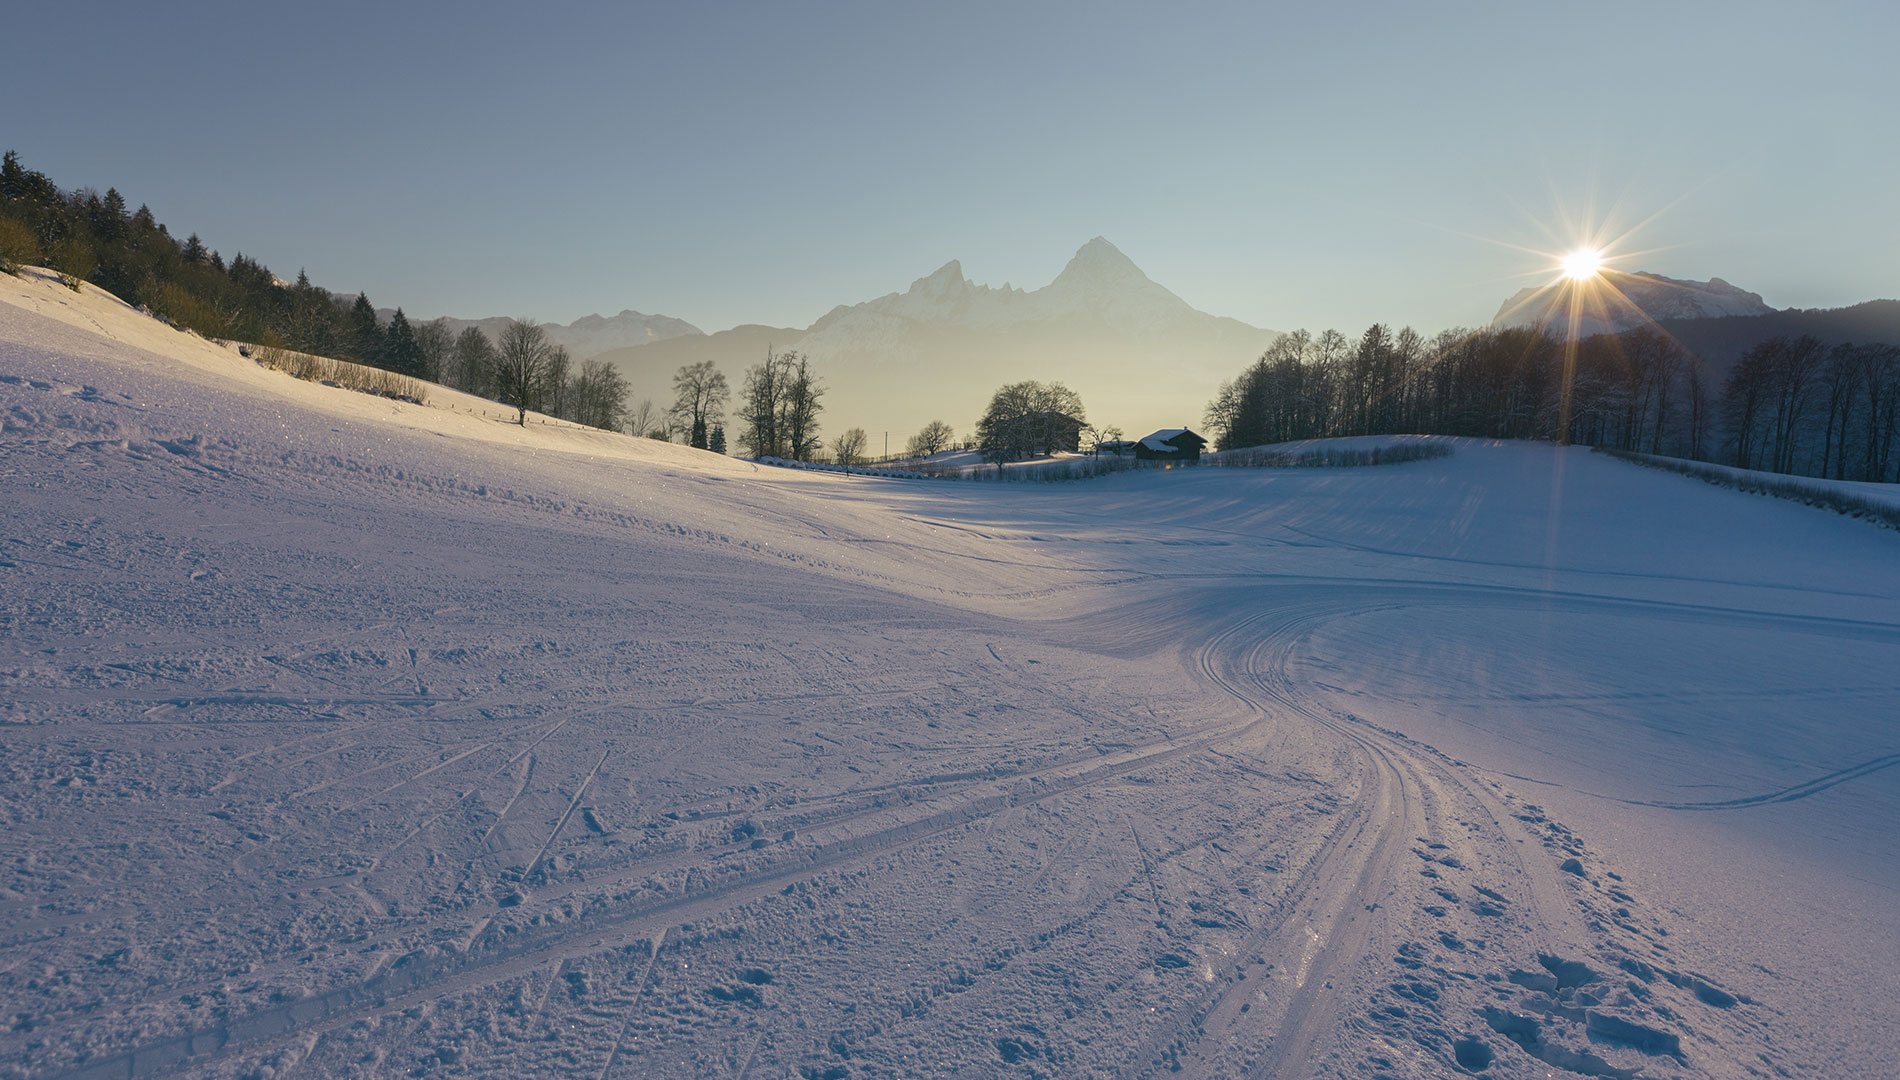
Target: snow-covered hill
x=1622, y=301
x=349, y=737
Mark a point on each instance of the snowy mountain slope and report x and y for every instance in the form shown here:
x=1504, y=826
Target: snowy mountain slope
x=352, y=737
x=1141, y=357
x=1636, y=300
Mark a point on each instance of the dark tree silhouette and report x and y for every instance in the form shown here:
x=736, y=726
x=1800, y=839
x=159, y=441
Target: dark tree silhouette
x=1031, y=419
x=700, y=394
x=935, y=438
x=1788, y=404
x=779, y=406
x=521, y=365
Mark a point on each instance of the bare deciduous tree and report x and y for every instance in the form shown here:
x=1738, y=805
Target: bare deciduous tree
x=598, y=396
x=935, y=438
x=780, y=404
x=645, y=421
x=473, y=367
x=555, y=383
x=521, y=365
x=1030, y=419
x=848, y=448
x=436, y=346
x=700, y=392
x=801, y=407
x=761, y=405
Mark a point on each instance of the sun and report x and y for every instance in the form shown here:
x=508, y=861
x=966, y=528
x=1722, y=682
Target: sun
x=1583, y=264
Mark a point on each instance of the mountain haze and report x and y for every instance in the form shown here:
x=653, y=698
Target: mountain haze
x=1140, y=356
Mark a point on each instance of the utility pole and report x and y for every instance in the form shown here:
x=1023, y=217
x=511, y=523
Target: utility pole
x=887, y=446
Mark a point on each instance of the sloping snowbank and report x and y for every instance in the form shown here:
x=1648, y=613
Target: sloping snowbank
x=106, y=328
x=1879, y=503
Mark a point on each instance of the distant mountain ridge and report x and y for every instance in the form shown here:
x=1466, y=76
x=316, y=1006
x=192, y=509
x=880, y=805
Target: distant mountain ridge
x=1715, y=320
x=1140, y=356
x=1721, y=342
x=1653, y=296
x=587, y=336
x=1099, y=281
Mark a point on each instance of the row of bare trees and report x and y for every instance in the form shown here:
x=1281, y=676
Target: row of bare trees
x=779, y=406
x=1789, y=405
x=1794, y=405
x=527, y=372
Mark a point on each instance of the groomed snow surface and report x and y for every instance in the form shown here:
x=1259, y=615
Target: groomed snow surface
x=347, y=737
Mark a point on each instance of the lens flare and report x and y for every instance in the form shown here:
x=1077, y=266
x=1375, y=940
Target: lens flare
x=1583, y=264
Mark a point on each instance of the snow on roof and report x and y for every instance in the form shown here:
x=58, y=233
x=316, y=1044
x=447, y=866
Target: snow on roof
x=1159, y=441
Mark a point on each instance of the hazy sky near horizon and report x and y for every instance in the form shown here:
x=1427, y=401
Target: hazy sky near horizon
x=1290, y=165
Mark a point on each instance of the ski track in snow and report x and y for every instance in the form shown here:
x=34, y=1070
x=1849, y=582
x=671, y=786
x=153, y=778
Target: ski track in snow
x=349, y=738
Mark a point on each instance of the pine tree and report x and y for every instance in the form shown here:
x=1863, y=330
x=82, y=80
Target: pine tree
x=365, y=335
x=12, y=178
x=717, y=442
x=401, y=352
x=194, y=249
x=110, y=222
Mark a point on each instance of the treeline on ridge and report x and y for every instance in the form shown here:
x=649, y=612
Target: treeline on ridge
x=1790, y=404
x=88, y=237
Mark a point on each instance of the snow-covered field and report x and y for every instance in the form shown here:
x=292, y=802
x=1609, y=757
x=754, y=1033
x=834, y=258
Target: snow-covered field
x=354, y=738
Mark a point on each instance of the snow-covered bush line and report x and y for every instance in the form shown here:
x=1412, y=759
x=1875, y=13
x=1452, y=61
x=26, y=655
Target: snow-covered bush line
x=1326, y=457
x=853, y=470
x=1084, y=468
x=1055, y=471
x=361, y=377
x=1071, y=469
x=1797, y=488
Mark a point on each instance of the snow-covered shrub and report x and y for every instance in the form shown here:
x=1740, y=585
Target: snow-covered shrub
x=360, y=377
x=18, y=245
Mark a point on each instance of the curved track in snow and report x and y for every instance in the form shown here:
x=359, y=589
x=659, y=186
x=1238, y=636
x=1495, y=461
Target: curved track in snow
x=1342, y=927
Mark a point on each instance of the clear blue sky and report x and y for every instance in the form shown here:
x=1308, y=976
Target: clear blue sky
x=1298, y=165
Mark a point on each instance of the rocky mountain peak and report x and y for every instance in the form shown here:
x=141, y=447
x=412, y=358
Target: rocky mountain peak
x=947, y=280
x=1100, y=260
